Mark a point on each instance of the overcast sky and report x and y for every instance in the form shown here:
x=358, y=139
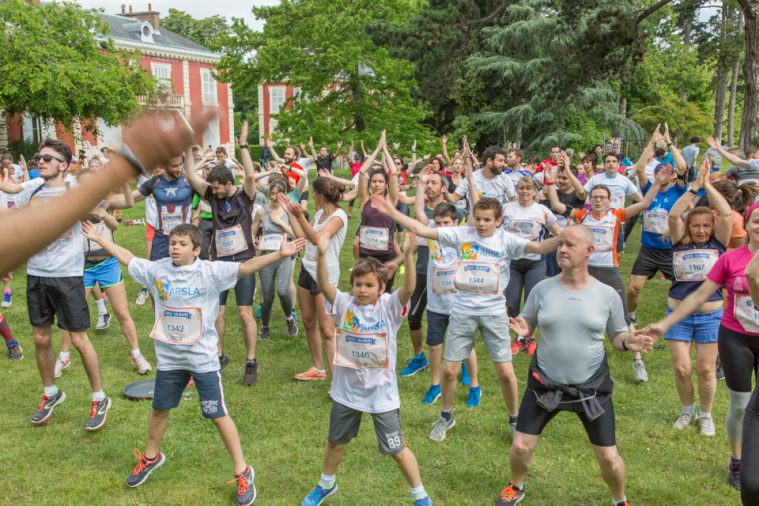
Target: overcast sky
x=196, y=8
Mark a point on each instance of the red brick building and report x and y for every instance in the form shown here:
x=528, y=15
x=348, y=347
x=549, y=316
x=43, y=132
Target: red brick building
x=183, y=69
x=271, y=98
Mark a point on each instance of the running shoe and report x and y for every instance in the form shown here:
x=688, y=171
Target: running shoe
x=142, y=365
x=294, y=315
x=441, y=427
x=142, y=298
x=686, y=418
x=15, y=352
x=706, y=426
x=512, y=425
x=640, y=371
x=318, y=494
x=623, y=503
x=47, y=405
x=104, y=321
x=734, y=475
x=223, y=361
x=251, y=373
x=246, y=489
x=98, y=413
x=144, y=467
x=60, y=365
x=7, y=300
x=510, y=496
x=416, y=364
x=720, y=372
x=292, y=327
x=312, y=374
x=259, y=313
x=424, y=501
x=432, y=395
x=465, y=380
x=473, y=398
x=531, y=346
x=518, y=345
x=264, y=335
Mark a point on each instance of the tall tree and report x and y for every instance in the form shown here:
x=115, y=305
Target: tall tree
x=750, y=121
x=205, y=31
x=58, y=63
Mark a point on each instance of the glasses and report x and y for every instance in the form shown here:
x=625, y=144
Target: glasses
x=598, y=197
x=47, y=158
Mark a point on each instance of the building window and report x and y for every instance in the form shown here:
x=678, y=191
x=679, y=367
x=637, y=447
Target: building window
x=276, y=98
x=209, y=87
x=162, y=74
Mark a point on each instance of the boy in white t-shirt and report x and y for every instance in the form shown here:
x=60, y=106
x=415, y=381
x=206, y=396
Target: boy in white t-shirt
x=482, y=272
x=186, y=293
x=364, y=378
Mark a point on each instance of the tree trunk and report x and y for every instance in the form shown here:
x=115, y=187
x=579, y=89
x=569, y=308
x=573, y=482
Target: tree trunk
x=719, y=106
x=750, y=123
x=358, y=120
x=623, y=107
x=731, y=105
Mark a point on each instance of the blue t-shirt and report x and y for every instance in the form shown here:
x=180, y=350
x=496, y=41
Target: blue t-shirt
x=173, y=200
x=33, y=174
x=657, y=215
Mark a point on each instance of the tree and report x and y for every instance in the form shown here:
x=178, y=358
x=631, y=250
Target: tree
x=348, y=86
x=750, y=122
x=58, y=63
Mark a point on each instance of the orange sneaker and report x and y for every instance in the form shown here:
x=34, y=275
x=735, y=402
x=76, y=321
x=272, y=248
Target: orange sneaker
x=312, y=374
x=510, y=496
x=517, y=345
x=531, y=346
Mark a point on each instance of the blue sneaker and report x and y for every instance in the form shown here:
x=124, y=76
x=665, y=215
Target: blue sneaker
x=258, y=313
x=473, y=399
x=433, y=394
x=294, y=315
x=246, y=489
x=465, y=375
x=318, y=494
x=425, y=501
x=416, y=364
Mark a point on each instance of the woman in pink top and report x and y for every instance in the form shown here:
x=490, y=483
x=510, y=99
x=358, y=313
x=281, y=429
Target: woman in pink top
x=738, y=339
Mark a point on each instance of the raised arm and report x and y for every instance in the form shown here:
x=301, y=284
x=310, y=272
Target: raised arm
x=255, y=264
x=336, y=155
x=121, y=254
x=723, y=226
x=549, y=188
x=752, y=276
x=576, y=184
x=24, y=167
x=641, y=206
x=363, y=185
x=680, y=164
x=419, y=213
x=322, y=272
x=444, y=142
x=392, y=182
x=273, y=152
x=676, y=225
x=735, y=160
x=198, y=183
x=248, y=169
x=409, y=277
x=382, y=205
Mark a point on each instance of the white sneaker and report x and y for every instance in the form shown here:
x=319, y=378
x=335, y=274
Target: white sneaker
x=441, y=427
x=686, y=418
x=60, y=365
x=706, y=424
x=104, y=321
x=640, y=370
x=142, y=365
x=142, y=298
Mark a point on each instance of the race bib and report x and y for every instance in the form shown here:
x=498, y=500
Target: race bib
x=603, y=237
x=230, y=241
x=443, y=280
x=656, y=221
x=746, y=313
x=562, y=221
x=374, y=238
x=178, y=325
x=270, y=242
x=171, y=220
x=477, y=277
x=526, y=229
x=693, y=264
x=360, y=351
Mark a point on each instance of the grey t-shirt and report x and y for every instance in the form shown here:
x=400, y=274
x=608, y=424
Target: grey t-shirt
x=743, y=176
x=690, y=153
x=572, y=326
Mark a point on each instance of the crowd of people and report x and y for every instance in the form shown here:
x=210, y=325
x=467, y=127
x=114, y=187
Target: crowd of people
x=495, y=244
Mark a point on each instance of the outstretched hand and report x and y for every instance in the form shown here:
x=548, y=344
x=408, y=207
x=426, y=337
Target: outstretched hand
x=653, y=330
x=519, y=326
x=639, y=341
x=289, y=206
x=91, y=232
x=381, y=204
x=289, y=248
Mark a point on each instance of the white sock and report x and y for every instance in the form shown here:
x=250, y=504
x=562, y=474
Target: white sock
x=418, y=492
x=327, y=481
x=689, y=409
x=136, y=353
x=622, y=501
x=50, y=391
x=64, y=355
x=101, y=306
x=704, y=414
x=98, y=396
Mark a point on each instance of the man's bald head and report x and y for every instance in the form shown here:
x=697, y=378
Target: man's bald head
x=575, y=247
x=579, y=233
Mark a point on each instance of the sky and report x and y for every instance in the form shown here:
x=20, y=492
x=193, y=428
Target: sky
x=196, y=8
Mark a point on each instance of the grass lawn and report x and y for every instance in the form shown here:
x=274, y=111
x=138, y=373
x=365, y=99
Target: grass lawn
x=283, y=426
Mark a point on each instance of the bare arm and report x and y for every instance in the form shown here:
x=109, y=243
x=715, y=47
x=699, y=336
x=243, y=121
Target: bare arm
x=542, y=247
x=383, y=206
x=198, y=183
x=641, y=206
x=322, y=273
x=123, y=202
x=392, y=172
x=444, y=142
x=121, y=254
x=723, y=228
x=419, y=213
x=255, y=264
x=735, y=160
x=690, y=304
x=549, y=188
x=752, y=276
x=248, y=170
x=273, y=152
x=409, y=278
x=312, y=155
x=363, y=186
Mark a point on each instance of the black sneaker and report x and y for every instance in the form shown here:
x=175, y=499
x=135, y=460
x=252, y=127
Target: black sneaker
x=98, y=414
x=47, y=405
x=264, y=335
x=15, y=352
x=223, y=361
x=734, y=476
x=292, y=327
x=510, y=496
x=143, y=469
x=251, y=373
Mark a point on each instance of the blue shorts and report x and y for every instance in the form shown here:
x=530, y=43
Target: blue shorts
x=159, y=247
x=105, y=273
x=699, y=327
x=169, y=386
x=437, y=324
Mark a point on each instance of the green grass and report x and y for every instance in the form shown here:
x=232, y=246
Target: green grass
x=283, y=426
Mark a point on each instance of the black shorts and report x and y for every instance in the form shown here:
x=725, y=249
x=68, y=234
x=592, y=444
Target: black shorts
x=533, y=419
x=61, y=298
x=245, y=290
x=650, y=261
x=306, y=282
x=418, y=303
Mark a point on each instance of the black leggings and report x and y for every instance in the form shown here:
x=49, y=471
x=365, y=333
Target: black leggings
x=524, y=274
x=739, y=354
x=750, y=453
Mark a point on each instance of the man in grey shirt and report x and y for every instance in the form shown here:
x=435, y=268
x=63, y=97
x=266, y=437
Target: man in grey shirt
x=569, y=371
x=744, y=170
x=691, y=151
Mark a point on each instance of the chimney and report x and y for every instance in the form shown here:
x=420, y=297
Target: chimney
x=123, y=8
x=151, y=16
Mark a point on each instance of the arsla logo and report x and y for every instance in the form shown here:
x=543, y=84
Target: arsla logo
x=350, y=322
x=469, y=251
x=165, y=291
x=162, y=288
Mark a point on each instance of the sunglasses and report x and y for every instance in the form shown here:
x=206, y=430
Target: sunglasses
x=47, y=158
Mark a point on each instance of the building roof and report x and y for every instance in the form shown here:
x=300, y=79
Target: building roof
x=128, y=31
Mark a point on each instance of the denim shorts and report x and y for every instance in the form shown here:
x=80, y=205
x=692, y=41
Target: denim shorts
x=699, y=327
x=169, y=386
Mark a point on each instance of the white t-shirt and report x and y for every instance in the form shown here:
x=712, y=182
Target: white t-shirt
x=8, y=200
x=366, y=348
x=186, y=305
x=619, y=186
x=151, y=211
x=529, y=223
x=500, y=187
x=482, y=272
x=63, y=257
x=335, y=244
x=441, y=270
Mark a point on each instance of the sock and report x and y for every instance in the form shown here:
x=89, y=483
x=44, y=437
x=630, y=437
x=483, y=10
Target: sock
x=64, y=355
x=704, y=414
x=50, y=391
x=101, y=307
x=418, y=492
x=620, y=502
x=734, y=463
x=420, y=355
x=327, y=481
x=144, y=289
x=251, y=361
x=136, y=353
x=689, y=409
x=98, y=396
x=446, y=414
x=512, y=418
x=518, y=487
x=5, y=330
